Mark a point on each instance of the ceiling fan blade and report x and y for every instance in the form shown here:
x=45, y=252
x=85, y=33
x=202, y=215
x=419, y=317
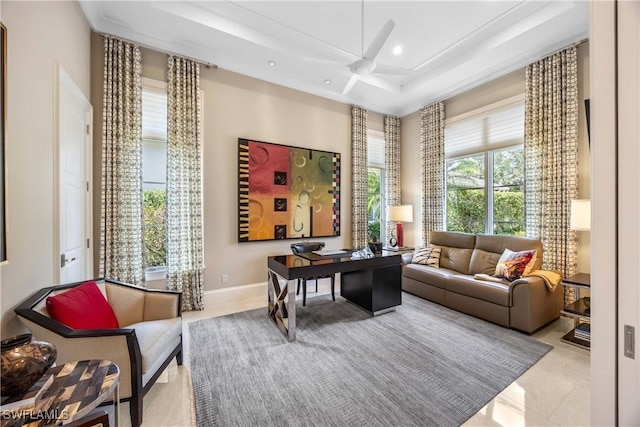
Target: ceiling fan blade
x=325, y=62
x=381, y=83
x=352, y=81
x=389, y=69
x=379, y=41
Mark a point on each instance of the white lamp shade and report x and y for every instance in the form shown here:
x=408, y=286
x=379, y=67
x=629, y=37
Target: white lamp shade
x=400, y=213
x=581, y=215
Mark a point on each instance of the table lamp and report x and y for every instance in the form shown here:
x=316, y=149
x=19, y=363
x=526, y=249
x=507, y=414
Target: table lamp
x=400, y=214
x=580, y=215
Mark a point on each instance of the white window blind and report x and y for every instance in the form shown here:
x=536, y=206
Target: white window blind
x=495, y=127
x=375, y=149
x=154, y=114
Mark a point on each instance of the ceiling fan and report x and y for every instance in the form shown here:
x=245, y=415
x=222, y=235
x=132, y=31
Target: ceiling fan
x=367, y=63
x=363, y=67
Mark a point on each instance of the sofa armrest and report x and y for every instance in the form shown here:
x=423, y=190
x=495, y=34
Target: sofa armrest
x=533, y=305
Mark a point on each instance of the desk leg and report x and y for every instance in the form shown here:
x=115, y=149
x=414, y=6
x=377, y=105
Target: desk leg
x=282, y=304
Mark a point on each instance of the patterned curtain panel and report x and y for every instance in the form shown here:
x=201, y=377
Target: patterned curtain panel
x=551, y=157
x=392, y=166
x=184, y=186
x=121, y=236
x=432, y=168
x=359, y=166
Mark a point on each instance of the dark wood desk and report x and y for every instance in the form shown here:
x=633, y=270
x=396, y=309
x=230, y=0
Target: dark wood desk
x=374, y=284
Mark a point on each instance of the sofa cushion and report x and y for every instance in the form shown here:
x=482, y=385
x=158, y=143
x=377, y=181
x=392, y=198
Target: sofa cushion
x=426, y=256
x=513, y=265
x=497, y=293
x=483, y=262
x=497, y=244
x=456, y=259
x=430, y=275
x=154, y=337
x=82, y=307
x=453, y=239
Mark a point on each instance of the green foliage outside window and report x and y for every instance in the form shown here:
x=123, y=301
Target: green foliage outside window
x=466, y=193
x=155, y=230
x=374, y=203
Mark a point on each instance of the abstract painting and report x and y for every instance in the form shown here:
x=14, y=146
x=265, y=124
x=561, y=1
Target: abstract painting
x=287, y=192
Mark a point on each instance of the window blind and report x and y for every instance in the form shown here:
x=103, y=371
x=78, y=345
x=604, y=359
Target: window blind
x=154, y=114
x=490, y=130
x=375, y=149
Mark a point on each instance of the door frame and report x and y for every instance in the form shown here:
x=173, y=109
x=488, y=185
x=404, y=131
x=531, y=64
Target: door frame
x=63, y=80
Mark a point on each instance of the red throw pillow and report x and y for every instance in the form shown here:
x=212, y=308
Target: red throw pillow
x=83, y=307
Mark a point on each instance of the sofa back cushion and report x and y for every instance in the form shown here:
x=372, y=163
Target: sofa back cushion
x=456, y=249
x=489, y=248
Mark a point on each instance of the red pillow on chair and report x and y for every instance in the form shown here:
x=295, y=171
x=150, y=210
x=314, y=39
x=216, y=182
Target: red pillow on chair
x=83, y=307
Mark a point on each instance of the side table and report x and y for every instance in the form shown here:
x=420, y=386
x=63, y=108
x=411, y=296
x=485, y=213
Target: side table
x=579, y=310
x=77, y=389
x=398, y=250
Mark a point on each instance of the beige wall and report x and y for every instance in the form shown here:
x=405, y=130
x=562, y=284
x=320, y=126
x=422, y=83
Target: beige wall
x=504, y=87
x=236, y=106
x=40, y=36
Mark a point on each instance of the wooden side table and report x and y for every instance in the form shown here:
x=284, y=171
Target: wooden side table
x=77, y=389
x=579, y=309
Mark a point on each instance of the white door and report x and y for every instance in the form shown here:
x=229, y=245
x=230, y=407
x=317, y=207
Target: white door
x=628, y=213
x=74, y=154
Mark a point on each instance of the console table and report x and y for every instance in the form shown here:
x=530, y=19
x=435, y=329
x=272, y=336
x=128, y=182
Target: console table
x=77, y=389
x=373, y=284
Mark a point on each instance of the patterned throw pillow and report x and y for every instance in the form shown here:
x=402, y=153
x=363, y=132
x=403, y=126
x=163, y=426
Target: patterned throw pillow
x=427, y=256
x=513, y=265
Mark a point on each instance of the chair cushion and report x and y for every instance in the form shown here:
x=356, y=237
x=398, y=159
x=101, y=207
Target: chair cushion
x=82, y=307
x=154, y=337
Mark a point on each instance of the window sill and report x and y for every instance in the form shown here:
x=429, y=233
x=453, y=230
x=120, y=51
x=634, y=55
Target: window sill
x=155, y=273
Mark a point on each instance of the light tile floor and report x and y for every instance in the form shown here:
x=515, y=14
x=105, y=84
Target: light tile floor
x=554, y=392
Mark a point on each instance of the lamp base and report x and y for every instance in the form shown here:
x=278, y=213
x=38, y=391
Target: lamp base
x=400, y=234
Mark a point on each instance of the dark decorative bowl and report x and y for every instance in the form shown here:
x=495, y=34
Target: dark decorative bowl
x=24, y=361
x=304, y=247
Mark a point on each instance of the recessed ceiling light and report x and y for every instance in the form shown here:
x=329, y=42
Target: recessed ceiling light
x=397, y=50
x=271, y=63
x=327, y=82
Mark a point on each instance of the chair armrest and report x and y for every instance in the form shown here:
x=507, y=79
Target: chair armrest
x=117, y=345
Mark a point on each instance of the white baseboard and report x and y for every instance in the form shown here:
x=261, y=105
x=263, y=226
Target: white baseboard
x=235, y=293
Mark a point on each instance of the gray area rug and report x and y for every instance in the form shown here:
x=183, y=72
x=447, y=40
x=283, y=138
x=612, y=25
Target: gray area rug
x=422, y=365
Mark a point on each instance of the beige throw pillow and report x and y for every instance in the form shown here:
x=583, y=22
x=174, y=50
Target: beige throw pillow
x=427, y=256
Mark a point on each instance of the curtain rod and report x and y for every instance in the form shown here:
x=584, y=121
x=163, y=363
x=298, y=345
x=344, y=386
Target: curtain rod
x=576, y=44
x=206, y=64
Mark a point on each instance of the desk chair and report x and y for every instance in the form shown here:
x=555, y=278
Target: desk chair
x=306, y=247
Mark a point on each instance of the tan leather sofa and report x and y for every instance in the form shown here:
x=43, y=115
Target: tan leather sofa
x=525, y=304
x=149, y=337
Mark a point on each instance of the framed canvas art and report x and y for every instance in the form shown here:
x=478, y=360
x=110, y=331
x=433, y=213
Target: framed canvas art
x=286, y=192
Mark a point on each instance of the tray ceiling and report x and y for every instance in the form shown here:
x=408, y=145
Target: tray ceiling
x=447, y=46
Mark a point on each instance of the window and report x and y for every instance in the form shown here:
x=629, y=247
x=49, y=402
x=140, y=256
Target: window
x=485, y=170
x=375, y=186
x=154, y=176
